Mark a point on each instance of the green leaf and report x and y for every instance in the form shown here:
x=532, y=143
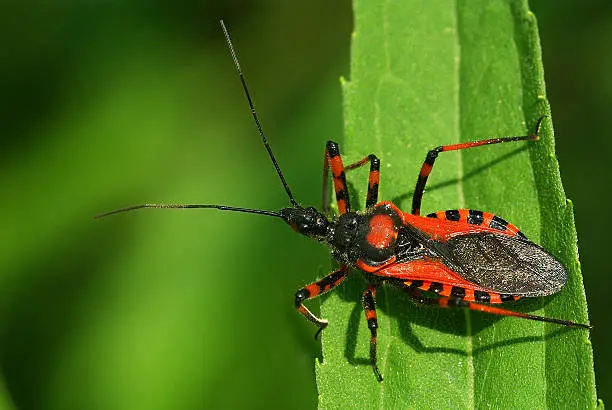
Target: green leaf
x=430, y=73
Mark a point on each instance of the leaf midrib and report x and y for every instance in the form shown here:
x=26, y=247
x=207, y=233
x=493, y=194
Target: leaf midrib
x=468, y=317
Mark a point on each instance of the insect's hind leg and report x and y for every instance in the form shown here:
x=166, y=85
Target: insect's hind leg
x=505, y=312
x=450, y=302
x=318, y=288
x=430, y=159
x=334, y=160
x=369, y=307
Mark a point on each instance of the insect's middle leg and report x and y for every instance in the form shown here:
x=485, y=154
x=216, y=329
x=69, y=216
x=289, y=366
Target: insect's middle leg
x=369, y=307
x=318, y=288
x=430, y=159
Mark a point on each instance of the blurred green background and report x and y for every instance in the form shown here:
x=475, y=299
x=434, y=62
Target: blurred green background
x=106, y=105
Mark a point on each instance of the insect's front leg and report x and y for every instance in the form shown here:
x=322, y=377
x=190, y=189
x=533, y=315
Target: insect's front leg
x=369, y=307
x=315, y=289
x=334, y=160
x=373, y=177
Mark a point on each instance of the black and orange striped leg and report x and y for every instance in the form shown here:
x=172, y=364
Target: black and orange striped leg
x=430, y=159
x=454, y=302
x=450, y=302
x=417, y=296
x=333, y=160
x=373, y=177
x=318, y=288
x=369, y=307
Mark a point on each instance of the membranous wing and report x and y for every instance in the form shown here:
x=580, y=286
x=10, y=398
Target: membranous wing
x=503, y=264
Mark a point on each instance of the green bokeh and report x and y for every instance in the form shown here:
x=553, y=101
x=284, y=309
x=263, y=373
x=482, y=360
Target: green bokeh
x=106, y=105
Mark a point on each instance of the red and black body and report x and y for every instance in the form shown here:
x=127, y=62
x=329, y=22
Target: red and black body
x=454, y=258
x=467, y=254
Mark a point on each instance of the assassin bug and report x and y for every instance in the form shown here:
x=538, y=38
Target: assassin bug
x=454, y=258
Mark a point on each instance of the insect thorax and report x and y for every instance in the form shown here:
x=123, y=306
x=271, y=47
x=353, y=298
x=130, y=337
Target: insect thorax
x=373, y=236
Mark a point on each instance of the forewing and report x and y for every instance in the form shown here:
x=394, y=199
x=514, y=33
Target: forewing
x=504, y=264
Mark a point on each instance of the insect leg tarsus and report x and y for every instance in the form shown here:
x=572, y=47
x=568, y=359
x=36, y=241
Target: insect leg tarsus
x=369, y=307
x=318, y=288
x=430, y=159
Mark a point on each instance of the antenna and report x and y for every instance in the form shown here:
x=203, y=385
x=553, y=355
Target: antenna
x=265, y=142
x=255, y=117
x=220, y=207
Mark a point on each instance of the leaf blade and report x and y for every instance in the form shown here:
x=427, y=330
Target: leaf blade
x=426, y=74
